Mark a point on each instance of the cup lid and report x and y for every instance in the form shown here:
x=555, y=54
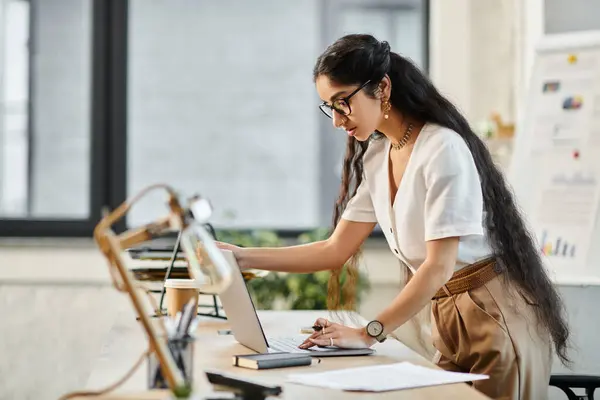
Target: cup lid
x=182, y=284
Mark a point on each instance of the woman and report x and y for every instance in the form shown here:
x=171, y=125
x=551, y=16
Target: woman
x=414, y=166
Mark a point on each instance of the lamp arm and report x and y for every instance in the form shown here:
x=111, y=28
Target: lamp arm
x=119, y=212
x=112, y=245
x=145, y=233
x=217, y=271
x=169, y=368
x=130, y=238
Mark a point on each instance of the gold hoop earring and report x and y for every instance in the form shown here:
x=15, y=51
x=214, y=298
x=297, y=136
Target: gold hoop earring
x=386, y=107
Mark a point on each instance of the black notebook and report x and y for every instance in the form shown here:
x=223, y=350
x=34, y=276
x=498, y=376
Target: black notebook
x=271, y=360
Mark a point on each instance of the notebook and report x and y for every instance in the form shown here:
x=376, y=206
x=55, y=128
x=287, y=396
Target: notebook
x=271, y=360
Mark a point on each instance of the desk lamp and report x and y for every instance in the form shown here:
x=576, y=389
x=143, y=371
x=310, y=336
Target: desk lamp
x=205, y=263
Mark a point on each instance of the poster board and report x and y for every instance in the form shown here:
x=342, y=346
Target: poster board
x=555, y=170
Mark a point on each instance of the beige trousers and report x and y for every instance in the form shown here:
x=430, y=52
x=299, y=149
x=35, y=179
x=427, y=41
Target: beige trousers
x=493, y=332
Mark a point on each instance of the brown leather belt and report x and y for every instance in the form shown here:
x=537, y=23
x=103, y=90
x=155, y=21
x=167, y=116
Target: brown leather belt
x=470, y=277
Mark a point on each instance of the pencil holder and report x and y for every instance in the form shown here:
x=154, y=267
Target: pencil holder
x=183, y=353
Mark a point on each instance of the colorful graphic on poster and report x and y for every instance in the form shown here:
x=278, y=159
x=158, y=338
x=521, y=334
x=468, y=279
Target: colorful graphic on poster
x=564, y=248
x=551, y=87
x=557, y=246
x=573, y=103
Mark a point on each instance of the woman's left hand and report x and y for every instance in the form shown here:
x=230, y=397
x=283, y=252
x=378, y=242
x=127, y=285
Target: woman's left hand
x=338, y=335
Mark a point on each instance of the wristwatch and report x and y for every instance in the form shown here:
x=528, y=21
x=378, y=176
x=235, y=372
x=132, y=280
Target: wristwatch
x=375, y=330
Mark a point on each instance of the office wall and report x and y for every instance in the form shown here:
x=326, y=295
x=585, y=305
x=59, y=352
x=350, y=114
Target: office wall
x=473, y=55
x=493, y=39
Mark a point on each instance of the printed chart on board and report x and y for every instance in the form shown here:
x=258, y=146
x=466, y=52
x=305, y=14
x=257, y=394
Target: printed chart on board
x=567, y=194
x=561, y=154
x=566, y=107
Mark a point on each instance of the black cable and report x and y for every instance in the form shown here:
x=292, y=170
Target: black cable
x=169, y=269
x=176, y=248
x=211, y=230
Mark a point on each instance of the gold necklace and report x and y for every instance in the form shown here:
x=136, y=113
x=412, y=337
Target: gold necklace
x=405, y=138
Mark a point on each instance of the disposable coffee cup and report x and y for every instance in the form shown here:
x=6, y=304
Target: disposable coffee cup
x=179, y=292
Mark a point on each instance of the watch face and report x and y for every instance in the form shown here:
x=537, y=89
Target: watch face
x=374, y=328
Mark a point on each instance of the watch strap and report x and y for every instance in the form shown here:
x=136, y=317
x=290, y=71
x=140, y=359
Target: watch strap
x=381, y=338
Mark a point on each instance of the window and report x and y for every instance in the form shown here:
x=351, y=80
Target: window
x=14, y=98
x=46, y=152
x=52, y=96
x=217, y=98
x=221, y=102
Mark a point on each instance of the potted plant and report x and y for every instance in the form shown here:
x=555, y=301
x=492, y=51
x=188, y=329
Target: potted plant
x=278, y=290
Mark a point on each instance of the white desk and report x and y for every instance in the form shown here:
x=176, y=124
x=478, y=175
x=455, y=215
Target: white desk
x=126, y=341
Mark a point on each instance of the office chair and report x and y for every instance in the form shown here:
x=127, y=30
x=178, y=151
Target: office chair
x=567, y=383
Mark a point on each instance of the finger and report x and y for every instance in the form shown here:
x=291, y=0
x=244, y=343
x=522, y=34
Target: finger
x=307, y=340
x=312, y=336
x=322, y=322
x=307, y=344
x=322, y=342
x=227, y=246
x=327, y=337
x=332, y=328
x=222, y=245
x=318, y=336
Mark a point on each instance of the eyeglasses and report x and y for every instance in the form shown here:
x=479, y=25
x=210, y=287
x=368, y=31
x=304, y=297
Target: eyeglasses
x=341, y=105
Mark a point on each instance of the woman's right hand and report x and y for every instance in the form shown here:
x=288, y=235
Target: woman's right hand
x=228, y=246
x=236, y=250
x=223, y=246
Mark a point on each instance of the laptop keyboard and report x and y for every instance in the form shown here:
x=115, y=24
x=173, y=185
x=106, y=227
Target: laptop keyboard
x=290, y=344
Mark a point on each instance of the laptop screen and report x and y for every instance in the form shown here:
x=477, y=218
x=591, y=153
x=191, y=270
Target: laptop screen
x=240, y=311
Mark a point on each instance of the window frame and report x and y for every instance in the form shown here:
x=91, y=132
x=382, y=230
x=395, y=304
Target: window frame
x=107, y=125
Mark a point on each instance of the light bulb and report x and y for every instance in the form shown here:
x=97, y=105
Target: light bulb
x=206, y=262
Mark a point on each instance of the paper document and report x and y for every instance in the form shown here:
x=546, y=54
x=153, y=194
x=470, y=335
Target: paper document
x=565, y=107
x=566, y=199
x=381, y=378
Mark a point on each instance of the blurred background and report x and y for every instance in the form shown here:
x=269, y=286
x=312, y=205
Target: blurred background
x=100, y=98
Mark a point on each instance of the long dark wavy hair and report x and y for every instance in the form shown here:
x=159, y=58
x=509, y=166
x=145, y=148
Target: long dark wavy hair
x=355, y=59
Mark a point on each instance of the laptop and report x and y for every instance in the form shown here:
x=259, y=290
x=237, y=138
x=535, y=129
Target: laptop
x=248, y=331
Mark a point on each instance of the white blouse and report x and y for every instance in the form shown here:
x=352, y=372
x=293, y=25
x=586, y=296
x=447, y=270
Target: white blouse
x=439, y=196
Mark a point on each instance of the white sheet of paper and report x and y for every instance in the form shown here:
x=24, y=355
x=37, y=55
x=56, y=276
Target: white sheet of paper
x=381, y=378
x=565, y=112
x=567, y=197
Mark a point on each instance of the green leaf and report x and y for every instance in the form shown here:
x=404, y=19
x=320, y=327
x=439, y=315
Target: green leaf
x=300, y=291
